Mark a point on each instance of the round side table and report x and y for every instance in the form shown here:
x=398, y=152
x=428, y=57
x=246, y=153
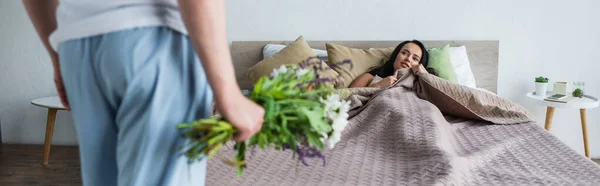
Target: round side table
x=582, y=104
x=53, y=104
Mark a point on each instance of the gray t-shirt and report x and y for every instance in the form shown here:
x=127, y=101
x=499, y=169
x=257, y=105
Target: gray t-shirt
x=85, y=18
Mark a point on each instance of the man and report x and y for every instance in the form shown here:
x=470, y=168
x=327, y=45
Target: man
x=129, y=72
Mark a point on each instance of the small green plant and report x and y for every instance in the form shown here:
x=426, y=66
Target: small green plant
x=578, y=92
x=541, y=79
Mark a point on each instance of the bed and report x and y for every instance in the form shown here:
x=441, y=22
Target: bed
x=412, y=140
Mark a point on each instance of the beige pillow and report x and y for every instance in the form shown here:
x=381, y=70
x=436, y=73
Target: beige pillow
x=362, y=61
x=294, y=53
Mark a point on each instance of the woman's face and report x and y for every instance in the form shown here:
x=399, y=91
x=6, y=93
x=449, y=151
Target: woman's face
x=409, y=56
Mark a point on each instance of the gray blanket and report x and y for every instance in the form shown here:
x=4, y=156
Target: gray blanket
x=423, y=131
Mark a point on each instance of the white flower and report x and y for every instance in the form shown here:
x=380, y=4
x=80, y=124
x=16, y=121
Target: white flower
x=345, y=106
x=324, y=138
x=276, y=72
x=333, y=139
x=332, y=104
x=337, y=111
x=340, y=122
x=301, y=72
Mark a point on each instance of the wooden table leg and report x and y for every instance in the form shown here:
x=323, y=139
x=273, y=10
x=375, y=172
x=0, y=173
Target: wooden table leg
x=586, y=145
x=49, y=131
x=549, y=114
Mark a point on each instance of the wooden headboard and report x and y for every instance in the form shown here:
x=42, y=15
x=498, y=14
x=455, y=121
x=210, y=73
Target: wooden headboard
x=483, y=56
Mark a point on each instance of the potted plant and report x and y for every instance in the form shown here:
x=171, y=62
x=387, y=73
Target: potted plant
x=578, y=93
x=541, y=84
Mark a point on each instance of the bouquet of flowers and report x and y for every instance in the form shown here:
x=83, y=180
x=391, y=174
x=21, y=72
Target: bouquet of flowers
x=303, y=112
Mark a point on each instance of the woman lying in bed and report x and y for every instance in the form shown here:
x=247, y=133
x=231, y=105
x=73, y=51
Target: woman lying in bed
x=408, y=54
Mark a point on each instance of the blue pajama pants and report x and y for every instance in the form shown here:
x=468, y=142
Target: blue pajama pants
x=128, y=90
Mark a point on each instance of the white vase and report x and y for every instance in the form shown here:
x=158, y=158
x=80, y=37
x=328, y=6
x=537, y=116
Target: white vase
x=540, y=89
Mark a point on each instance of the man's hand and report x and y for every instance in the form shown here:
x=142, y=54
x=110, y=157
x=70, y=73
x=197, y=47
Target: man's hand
x=205, y=22
x=245, y=115
x=43, y=18
x=60, y=88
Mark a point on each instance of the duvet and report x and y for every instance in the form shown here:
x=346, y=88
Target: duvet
x=424, y=130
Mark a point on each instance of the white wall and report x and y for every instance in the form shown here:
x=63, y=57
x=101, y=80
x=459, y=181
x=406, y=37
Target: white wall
x=26, y=74
x=556, y=39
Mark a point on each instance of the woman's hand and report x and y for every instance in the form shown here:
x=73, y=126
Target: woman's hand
x=386, y=81
x=418, y=68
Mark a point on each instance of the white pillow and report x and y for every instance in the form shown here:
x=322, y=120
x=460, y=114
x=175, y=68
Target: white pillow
x=272, y=49
x=462, y=67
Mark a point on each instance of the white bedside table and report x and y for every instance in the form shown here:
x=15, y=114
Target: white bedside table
x=583, y=103
x=53, y=104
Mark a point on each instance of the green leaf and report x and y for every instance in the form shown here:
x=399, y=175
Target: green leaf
x=183, y=125
x=284, y=121
x=314, y=139
x=258, y=86
x=240, y=170
x=267, y=84
x=262, y=140
x=277, y=94
x=253, y=140
x=316, y=119
x=541, y=79
x=291, y=84
x=276, y=108
x=218, y=138
x=268, y=106
x=239, y=157
x=214, y=150
x=292, y=93
x=300, y=102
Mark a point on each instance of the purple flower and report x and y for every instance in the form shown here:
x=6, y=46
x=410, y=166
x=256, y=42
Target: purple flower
x=309, y=61
x=306, y=152
x=347, y=61
x=318, y=66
